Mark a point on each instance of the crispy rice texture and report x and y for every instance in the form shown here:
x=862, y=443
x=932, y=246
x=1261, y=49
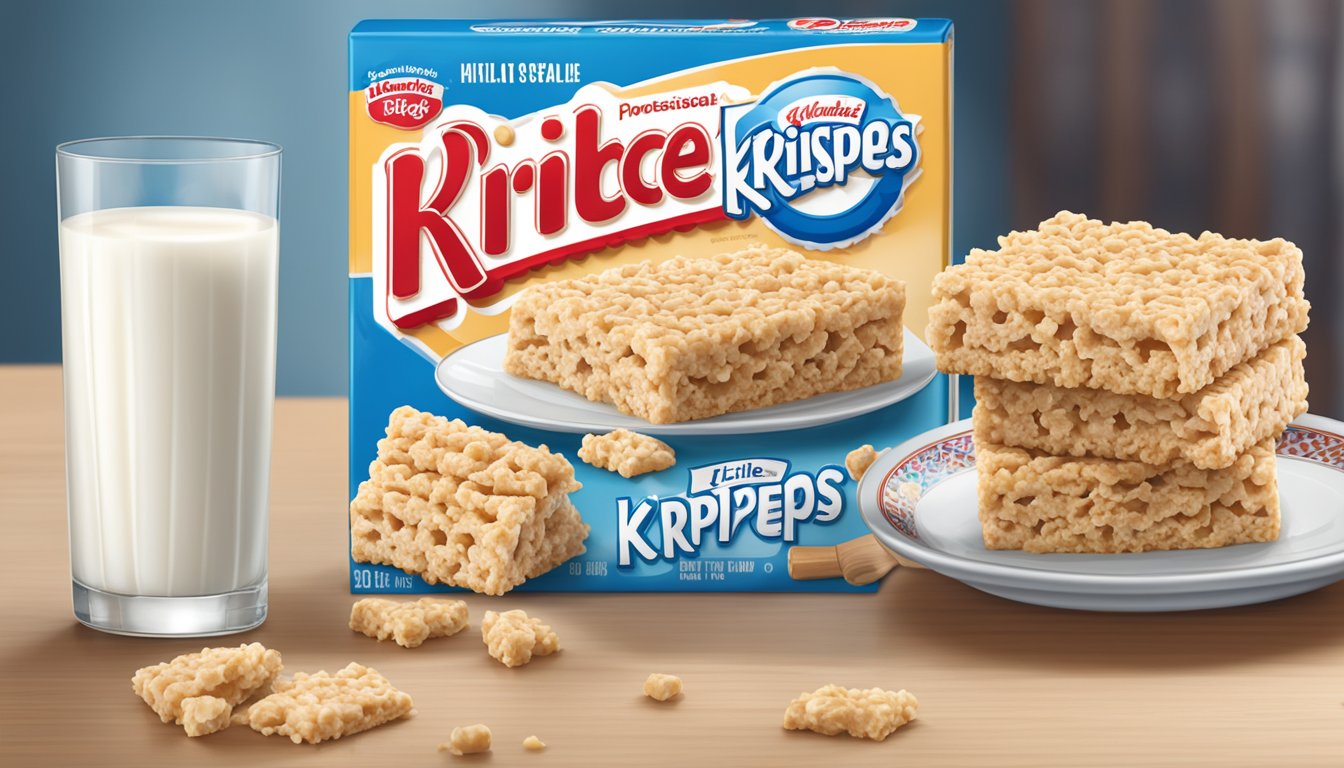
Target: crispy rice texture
x=694, y=338
x=627, y=453
x=1041, y=503
x=408, y=623
x=464, y=506
x=322, y=706
x=514, y=638
x=1210, y=428
x=468, y=740
x=1127, y=308
x=661, y=687
x=178, y=690
x=204, y=715
x=864, y=714
x=859, y=460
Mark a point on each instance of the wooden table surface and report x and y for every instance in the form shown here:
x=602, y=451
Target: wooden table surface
x=999, y=683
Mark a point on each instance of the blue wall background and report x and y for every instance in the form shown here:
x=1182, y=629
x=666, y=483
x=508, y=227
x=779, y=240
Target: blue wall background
x=276, y=70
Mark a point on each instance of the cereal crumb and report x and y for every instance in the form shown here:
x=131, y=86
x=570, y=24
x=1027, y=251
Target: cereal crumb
x=408, y=623
x=514, y=638
x=504, y=135
x=859, y=460
x=323, y=706
x=627, y=453
x=533, y=744
x=662, y=687
x=204, y=715
x=229, y=675
x=863, y=714
x=468, y=740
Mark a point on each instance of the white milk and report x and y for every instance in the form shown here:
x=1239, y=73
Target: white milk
x=168, y=323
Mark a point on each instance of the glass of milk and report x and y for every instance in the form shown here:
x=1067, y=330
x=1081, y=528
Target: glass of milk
x=169, y=249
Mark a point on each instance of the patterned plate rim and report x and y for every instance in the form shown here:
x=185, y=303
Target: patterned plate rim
x=910, y=469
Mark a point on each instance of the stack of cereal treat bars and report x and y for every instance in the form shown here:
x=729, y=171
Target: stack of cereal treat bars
x=1130, y=383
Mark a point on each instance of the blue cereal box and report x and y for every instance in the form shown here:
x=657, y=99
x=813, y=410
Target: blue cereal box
x=624, y=295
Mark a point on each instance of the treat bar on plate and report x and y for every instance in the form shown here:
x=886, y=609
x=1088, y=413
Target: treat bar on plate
x=464, y=506
x=1209, y=428
x=1131, y=383
x=694, y=338
x=1127, y=308
x=1042, y=503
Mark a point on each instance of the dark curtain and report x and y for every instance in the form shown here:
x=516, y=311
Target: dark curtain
x=1222, y=115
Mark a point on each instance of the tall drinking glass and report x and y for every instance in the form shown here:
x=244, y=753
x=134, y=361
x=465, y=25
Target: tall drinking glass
x=169, y=250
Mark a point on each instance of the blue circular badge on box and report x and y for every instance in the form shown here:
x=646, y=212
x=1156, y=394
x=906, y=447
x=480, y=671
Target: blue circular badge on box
x=822, y=158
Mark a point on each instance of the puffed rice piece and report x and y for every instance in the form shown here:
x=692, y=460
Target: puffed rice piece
x=661, y=687
x=859, y=460
x=468, y=740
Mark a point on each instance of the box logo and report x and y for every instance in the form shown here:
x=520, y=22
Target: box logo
x=822, y=158
x=404, y=102
x=823, y=24
x=479, y=200
x=722, y=502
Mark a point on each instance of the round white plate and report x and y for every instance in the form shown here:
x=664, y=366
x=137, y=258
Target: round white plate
x=474, y=376
x=919, y=498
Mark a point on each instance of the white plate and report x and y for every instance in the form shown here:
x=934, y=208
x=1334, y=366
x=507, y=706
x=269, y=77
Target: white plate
x=919, y=498
x=474, y=377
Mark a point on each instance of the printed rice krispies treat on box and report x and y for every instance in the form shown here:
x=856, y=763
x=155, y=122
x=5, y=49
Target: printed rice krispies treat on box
x=460, y=505
x=705, y=245
x=694, y=338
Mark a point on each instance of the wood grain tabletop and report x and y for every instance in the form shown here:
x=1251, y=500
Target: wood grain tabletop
x=999, y=683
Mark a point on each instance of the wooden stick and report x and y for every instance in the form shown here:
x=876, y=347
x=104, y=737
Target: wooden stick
x=812, y=563
x=859, y=561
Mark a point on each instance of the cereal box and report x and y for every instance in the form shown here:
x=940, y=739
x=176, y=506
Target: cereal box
x=624, y=294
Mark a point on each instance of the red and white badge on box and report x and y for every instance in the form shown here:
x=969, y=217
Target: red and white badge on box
x=404, y=102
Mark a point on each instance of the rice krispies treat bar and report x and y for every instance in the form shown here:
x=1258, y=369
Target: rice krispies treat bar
x=513, y=638
x=1209, y=428
x=1041, y=503
x=229, y=674
x=323, y=706
x=627, y=453
x=1127, y=308
x=694, y=338
x=408, y=623
x=464, y=506
x=864, y=714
